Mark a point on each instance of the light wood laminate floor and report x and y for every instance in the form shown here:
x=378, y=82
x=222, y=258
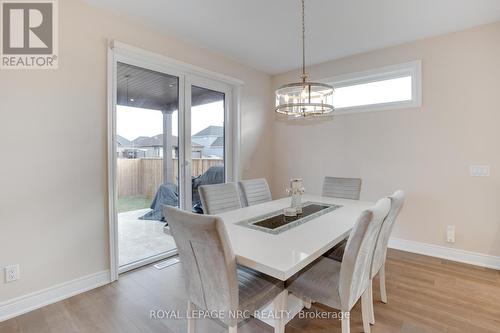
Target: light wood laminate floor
x=425, y=295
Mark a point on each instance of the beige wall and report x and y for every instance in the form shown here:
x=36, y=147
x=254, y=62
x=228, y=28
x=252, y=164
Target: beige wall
x=53, y=185
x=53, y=209
x=425, y=151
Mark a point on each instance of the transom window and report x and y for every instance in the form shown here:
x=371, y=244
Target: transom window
x=393, y=87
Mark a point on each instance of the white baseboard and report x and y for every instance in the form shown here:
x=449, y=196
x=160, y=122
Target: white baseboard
x=19, y=305
x=27, y=303
x=467, y=257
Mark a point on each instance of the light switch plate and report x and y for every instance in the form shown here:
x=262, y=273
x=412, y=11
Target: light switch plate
x=480, y=170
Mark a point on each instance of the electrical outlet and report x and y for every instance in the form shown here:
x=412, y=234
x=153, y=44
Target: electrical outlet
x=450, y=234
x=11, y=273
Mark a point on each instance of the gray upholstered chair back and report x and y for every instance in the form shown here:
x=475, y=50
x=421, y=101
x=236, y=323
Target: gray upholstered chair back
x=397, y=201
x=355, y=272
x=346, y=188
x=255, y=191
x=207, y=259
x=219, y=198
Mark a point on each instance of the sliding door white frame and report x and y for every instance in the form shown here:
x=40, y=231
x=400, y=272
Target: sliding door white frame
x=229, y=122
x=188, y=75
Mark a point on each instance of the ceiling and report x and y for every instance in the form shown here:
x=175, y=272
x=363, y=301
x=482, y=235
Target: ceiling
x=265, y=34
x=147, y=89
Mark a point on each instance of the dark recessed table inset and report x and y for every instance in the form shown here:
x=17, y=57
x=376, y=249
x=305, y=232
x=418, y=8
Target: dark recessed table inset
x=281, y=220
x=277, y=222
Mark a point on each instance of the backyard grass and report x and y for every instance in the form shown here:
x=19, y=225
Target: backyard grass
x=135, y=202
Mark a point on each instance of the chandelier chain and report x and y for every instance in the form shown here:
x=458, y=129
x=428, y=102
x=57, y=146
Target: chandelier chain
x=304, y=75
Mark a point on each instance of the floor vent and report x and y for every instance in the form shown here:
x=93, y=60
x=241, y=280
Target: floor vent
x=167, y=263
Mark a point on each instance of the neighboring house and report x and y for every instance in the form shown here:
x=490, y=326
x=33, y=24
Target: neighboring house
x=122, y=142
x=212, y=140
x=151, y=147
x=209, y=142
x=195, y=148
x=126, y=149
x=216, y=149
x=133, y=153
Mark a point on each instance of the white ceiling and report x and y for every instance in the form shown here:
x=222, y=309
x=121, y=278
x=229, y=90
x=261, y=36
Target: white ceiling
x=265, y=34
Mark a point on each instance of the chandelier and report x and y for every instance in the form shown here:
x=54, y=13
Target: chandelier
x=304, y=99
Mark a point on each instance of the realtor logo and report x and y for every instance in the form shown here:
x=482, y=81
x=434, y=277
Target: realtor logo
x=29, y=34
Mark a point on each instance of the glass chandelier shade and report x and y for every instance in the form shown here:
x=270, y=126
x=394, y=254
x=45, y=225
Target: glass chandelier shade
x=304, y=99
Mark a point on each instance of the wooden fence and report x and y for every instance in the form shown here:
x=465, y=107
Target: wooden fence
x=143, y=176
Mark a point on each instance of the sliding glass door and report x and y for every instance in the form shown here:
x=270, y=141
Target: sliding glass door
x=172, y=134
x=147, y=163
x=206, y=123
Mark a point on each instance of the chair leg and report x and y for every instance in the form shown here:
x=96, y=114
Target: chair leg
x=383, y=291
x=365, y=310
x=370, y=294
x=233, y=329
x=191, y=320
x=307, y=303
x=280, y=304
x=346, y=323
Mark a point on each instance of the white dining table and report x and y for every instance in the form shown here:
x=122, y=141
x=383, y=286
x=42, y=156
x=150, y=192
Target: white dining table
x=287, y=253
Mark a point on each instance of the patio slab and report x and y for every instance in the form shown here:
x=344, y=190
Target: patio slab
x=140, y=239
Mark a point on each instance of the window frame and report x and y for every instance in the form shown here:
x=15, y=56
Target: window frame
x=412, y=69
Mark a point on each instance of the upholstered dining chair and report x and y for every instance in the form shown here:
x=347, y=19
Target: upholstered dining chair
x=219, y=198
x=214, y=282
x=341, y=285
x=255, y=191
x=380, y=253
x=345, y=188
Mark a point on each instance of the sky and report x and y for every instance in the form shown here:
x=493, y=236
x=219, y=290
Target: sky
x=385, y=91
x=134, y=122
